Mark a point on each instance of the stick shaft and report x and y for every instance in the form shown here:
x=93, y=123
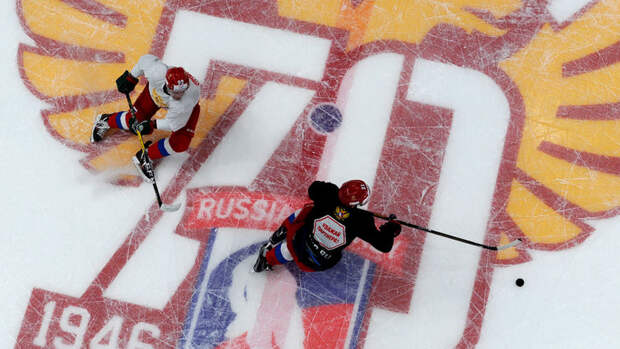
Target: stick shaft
x=133, y=115
x=452, y=237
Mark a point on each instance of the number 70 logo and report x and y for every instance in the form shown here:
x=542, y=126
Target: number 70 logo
x=395, y=109
x=435, y=134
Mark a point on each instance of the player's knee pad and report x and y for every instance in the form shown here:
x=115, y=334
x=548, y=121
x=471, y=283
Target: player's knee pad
x=179, y=142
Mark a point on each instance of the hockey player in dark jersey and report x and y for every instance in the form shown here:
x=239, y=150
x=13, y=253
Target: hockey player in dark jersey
x=315, y=236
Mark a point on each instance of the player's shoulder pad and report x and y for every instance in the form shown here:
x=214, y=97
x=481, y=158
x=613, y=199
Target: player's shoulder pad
x=151, y=66
x=193, y=92
x=148, y=59
x=319, y=190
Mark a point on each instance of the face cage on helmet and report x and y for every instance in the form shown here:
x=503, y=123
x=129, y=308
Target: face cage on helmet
x=177, y=88
x=357, y=203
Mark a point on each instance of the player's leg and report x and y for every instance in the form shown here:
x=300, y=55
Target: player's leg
x=144, y=106
x=178, y=141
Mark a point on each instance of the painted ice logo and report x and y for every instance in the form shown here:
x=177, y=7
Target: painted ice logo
x=237, y=207
x=398, y=73
x=316, y=298
x=329, y=233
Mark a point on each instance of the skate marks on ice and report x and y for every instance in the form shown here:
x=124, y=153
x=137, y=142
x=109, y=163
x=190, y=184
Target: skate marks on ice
x=404, y=143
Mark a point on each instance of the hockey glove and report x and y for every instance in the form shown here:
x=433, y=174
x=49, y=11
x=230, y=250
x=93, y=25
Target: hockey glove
x=390, y=227
x=126, y=82
x=145, y=127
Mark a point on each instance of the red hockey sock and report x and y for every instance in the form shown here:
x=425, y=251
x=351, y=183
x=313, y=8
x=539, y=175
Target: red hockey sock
x=271, y=257
x=119, y=120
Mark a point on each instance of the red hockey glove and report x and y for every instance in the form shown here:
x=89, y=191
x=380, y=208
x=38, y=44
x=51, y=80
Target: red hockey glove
x=390, y=227
x=126, y=82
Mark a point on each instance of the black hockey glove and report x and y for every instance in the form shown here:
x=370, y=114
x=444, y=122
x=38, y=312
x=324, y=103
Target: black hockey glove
x=145, y=127
x=126, y=82
x=390, y=227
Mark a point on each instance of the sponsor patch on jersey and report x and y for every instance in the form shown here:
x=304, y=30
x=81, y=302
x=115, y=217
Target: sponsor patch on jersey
x=329, y=233
x=341, y=213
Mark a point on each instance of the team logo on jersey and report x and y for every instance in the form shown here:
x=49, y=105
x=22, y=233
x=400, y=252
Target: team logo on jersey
x=341, y=213
x=515, y=44
x=158, y=99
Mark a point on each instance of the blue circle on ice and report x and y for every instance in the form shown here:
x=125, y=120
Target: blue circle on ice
x=325, y=118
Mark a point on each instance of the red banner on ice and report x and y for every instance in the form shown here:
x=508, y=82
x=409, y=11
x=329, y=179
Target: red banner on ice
x=237, y=207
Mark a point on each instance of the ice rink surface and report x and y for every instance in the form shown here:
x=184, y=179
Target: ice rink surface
x=488, y=120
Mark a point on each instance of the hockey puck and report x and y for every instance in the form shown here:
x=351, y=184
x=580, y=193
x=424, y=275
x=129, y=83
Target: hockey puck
x=325, y=118
x=519, y=282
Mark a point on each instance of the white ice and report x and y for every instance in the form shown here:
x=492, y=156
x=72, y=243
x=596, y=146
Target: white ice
x=61, y=223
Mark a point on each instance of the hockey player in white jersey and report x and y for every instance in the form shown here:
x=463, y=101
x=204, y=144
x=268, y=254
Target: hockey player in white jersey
x=166, y=87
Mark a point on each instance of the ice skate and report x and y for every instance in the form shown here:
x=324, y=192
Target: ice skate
x=144, y=165
x=261, y=262
x=100, y=128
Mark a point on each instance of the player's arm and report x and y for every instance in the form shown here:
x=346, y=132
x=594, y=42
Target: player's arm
x=383, y=238
x=180, y=112
x=128, y=81
x=143, y=63
x=174, y=120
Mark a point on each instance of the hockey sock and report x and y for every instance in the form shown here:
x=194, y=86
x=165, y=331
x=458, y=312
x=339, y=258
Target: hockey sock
x=119, y=120
x=161, y=149
x=279, y=255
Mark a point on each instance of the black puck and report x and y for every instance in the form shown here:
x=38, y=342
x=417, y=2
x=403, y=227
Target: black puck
x=519, y=282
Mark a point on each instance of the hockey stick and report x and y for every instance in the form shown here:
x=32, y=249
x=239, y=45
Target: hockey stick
x=162, y=206
x=488, y=247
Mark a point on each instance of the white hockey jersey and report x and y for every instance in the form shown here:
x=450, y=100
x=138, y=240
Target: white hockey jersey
x=179, y=111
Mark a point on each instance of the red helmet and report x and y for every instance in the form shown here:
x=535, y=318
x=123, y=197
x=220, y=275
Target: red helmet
x=176, y=79
x=354, y=193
